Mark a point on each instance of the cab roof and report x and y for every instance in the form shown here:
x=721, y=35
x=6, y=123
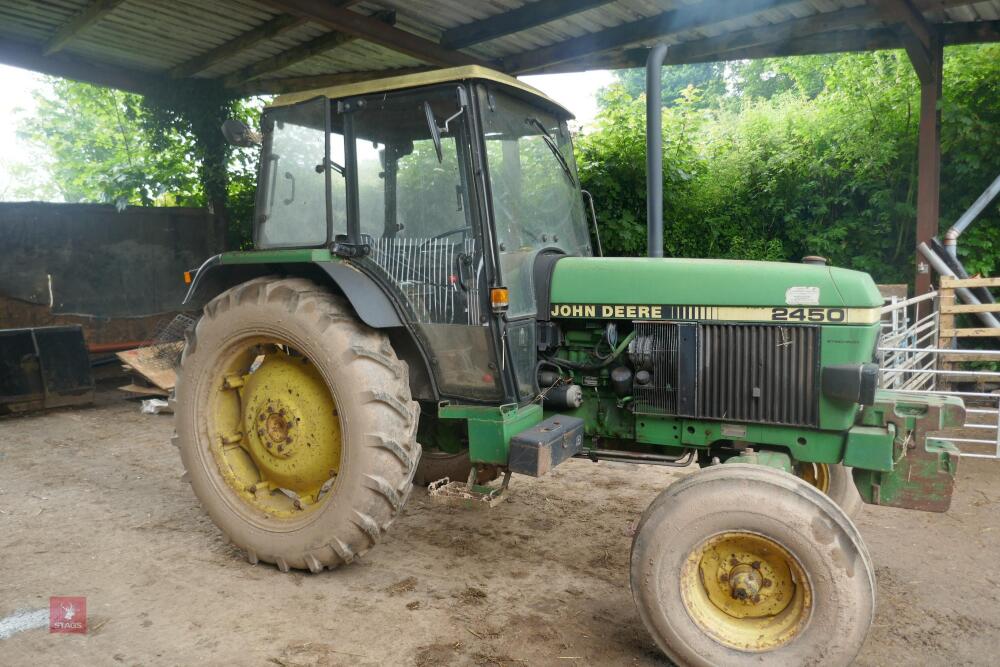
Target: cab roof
x=432, y=77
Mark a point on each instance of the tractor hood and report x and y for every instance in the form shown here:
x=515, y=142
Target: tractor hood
x=706, y=289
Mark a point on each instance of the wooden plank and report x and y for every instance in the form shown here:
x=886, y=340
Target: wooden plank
x=660, y=26
x=134, y=388
x=375, y=31
x=971, y=308
x=976, y=332
x=523, y=18
x=149, y=363
x=969, y=357
x=90, y=15
x=948, y=281
x=249, y=39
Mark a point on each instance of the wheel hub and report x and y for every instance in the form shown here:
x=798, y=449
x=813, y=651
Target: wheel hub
x=276, y=423
x=816, y=474
x=746, y=591
x=279, y=430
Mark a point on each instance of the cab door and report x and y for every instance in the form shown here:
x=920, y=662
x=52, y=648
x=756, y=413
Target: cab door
x=419, y=215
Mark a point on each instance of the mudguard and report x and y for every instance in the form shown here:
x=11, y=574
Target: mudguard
x=366, y=297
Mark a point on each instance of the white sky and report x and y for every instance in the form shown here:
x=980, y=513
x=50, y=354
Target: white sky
x=576, y=92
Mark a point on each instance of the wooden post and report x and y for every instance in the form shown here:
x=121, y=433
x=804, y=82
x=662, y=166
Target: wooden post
x=946, y=325
x=928, y=154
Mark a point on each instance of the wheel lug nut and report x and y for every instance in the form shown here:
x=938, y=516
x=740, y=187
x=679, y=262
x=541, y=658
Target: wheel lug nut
x=260, y=431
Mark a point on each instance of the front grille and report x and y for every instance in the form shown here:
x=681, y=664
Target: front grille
x=762, y=373
x=759, y=373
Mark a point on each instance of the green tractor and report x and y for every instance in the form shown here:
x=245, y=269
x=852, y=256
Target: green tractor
x=424, y=302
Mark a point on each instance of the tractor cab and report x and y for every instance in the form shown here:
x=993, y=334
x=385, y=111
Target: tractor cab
x=444, y=188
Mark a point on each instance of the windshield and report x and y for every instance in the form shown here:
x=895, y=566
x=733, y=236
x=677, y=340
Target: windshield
x=536, y=195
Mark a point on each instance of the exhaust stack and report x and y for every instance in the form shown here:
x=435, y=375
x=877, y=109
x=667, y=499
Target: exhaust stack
x=654, y=152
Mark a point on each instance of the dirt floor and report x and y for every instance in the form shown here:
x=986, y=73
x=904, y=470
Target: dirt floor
x=92, y=504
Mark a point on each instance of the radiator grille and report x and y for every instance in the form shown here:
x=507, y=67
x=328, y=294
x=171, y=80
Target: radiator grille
x=734, y=372
x=759, y=373
x=656, y=350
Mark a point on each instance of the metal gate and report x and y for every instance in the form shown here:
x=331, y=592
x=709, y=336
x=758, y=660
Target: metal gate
x=914, y=357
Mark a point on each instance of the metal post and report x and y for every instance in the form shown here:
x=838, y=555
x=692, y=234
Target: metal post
x=654, y=152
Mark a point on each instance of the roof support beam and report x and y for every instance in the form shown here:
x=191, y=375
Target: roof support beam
x=375, y=31
x=90, y=15
x=661, y=26
x=916, y=35
x=270, y=29
x=297, y=54
x=523, y=18
x=903, y=11
x=793, y=29
x=31, y=56
x=837, y=41
x=277, y=86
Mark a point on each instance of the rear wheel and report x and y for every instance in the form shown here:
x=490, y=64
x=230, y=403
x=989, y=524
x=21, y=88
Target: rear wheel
x=741, y=564
x=295, y=424
x=836, y=481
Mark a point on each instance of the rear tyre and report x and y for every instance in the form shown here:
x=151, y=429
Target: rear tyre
x=295, y=424
x=745, y=565
x=836, y=481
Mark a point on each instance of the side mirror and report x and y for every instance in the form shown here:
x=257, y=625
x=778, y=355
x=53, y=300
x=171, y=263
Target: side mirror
x=435, y=130
x=238, y=134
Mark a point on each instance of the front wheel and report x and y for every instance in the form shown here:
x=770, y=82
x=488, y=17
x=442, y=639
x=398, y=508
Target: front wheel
x=744, y=565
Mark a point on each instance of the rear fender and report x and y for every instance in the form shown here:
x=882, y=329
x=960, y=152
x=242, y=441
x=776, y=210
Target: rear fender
x=367, y=298
x=369, y=301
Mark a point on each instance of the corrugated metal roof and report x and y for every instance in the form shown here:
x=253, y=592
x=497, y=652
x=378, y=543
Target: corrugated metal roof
x=151, y=37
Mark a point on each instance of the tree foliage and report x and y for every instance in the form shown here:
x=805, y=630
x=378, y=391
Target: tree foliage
x=813, y=155
x=164, y=150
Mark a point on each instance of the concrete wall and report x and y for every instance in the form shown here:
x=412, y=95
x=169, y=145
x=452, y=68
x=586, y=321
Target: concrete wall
x=119, y=274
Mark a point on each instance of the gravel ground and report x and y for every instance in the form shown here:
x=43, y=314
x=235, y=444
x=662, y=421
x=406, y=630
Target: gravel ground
x=91, y=504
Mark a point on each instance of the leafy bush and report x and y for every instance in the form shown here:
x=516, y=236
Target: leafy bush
x=812, y=155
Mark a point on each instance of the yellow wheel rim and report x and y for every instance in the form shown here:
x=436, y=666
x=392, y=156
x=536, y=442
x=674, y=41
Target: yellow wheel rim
x=746, y=591
x=274, y=430
x=817, y=474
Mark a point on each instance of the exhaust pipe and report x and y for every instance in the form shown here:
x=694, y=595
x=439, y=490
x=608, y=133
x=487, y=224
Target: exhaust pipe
x=654, y=152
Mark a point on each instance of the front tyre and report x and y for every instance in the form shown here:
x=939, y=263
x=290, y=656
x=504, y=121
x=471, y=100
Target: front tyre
x=295, y=424
x=740, y=564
